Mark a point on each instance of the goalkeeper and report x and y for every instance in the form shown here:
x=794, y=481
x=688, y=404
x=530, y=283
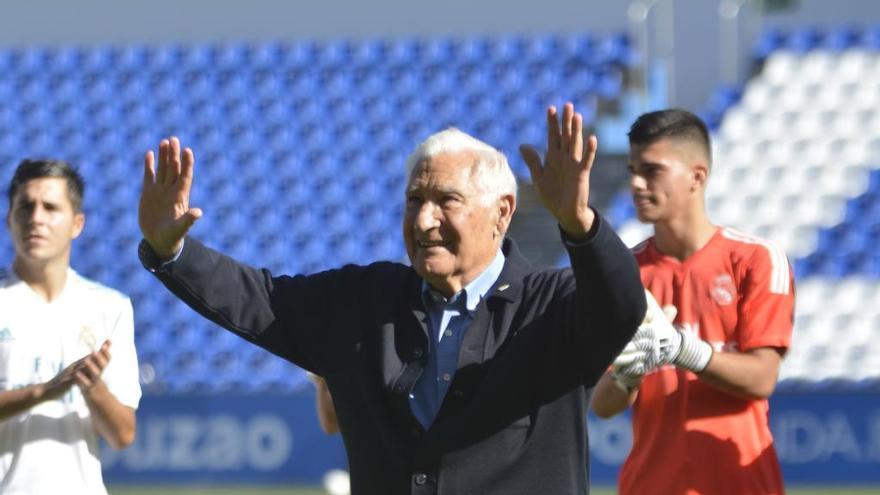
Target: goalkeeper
x=699, y=388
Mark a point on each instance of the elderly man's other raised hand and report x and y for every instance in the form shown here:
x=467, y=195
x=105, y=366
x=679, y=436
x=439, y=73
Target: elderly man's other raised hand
x=164, y=214
x=563, y=177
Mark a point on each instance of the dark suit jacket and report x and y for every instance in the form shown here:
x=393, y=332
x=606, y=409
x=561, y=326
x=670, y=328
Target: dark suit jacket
x=513, y=421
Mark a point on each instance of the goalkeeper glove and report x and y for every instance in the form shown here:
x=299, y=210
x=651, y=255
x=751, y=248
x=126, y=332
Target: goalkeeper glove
x=629, y=367
x=669, y=345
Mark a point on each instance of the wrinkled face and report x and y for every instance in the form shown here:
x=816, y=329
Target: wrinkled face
x=42, y=221
x=451, y=234
x=663, y=179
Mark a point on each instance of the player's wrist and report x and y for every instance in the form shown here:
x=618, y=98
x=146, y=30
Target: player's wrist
x=96, y=390
x=38, y=392
x=694, y=353
x=626, y=383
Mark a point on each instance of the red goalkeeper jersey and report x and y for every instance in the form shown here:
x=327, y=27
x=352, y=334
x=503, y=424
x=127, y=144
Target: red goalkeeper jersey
x=737, y=293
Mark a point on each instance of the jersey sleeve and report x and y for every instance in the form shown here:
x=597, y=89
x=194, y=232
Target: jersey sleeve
x=766, y=310
x=121, y=374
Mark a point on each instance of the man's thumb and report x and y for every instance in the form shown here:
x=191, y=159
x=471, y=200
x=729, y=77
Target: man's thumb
x=532, y=159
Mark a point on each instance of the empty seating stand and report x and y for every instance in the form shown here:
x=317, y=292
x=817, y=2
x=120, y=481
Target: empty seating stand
x=797, y=161
x=300, y=150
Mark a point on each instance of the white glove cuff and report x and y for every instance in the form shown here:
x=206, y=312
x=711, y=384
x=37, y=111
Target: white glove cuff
x=694, y=354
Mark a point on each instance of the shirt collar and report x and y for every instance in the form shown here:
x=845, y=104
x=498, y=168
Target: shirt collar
x=476, y=290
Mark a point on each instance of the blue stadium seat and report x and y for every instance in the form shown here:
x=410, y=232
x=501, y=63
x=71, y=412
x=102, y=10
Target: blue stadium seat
x=165, y=57
x=8, y=60
x=33, y=91
x=867, y=264
x=367, y=53
x=805, y=267
x=874, y=184
x=437, y=50
x=297, y=143
x=266, y=55
x=620, y=208
x=724, y=97
x=770, y=41
x=505, y=49
x=231, y=56
x=130, y=58
x=334, y=53
x=402, y=53
x=466, y=51
x=615, y=50
x=609, y=84
x=870, y=38
x=33, y=60
x=805, y=39
x=843, y=38
x=579, y=47
x=299, y=55
x=64, y=60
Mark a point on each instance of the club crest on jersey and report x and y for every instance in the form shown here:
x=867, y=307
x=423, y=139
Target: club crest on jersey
x=723, y=291
x=87, y=338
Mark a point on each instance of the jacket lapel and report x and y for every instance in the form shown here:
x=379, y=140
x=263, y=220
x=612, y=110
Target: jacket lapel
x=489, y=329
x=406, y=352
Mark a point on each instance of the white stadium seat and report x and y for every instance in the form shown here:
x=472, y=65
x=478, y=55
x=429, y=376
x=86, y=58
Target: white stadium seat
x=801, y=143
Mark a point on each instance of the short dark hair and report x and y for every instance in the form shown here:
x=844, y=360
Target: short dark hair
x=30, y=169
x=671, y=123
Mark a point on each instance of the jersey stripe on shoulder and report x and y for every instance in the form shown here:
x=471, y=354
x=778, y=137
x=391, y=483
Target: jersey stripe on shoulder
x=780, y=279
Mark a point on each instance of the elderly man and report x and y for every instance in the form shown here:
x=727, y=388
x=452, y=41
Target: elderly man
x=465, y=373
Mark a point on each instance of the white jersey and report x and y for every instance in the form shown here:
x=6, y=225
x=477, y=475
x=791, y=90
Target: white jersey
x=52, y=448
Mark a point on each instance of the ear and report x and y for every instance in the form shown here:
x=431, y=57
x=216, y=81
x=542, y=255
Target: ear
x=700, y=175
x=506, y=207
x=79, y=222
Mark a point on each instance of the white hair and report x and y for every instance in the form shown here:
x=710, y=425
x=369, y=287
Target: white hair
x=491, y=171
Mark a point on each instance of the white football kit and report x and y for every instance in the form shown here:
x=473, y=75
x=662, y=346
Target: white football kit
x=52, y=448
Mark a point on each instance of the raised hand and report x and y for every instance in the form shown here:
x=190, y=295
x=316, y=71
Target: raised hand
x=563, y=178
x=164, y=214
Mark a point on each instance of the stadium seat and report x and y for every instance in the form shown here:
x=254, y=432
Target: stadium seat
x=805, y=40
x=769, y=44
x=297, y=145
x=811, y=183
x=842, y=38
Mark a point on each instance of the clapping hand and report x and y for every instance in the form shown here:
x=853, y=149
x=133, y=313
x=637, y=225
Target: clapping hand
x=655, y=343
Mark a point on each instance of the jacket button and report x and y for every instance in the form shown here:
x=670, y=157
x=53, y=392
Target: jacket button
x=420, y=479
